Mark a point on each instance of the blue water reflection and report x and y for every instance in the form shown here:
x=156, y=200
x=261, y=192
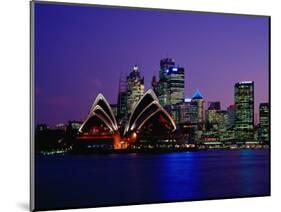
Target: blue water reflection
x=83, y=181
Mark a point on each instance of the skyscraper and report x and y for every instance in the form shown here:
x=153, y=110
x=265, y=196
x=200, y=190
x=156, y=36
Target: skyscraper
x=171, y=83
x=264, y=122
x=175, y=81
x=187, y=119
x=187, y=113
x=222, y=117
x=135, y=88
x=122, y=98
x=165, y=64
x=212, y=113
x=197, y=97
x=154, y=84
x=244, y=110
x=231, y=116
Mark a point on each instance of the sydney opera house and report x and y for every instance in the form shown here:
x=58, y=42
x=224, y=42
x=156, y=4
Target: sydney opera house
x=148, y=122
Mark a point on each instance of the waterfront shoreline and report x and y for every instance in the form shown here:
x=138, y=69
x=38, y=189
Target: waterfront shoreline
x=147, y=150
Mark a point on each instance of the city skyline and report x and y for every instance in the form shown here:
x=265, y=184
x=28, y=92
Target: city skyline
x=78, y=75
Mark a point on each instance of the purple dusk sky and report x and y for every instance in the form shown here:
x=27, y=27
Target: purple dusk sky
x=81, y=51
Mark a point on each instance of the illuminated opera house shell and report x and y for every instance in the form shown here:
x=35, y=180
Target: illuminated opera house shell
x=100, y=117
x=147, y=117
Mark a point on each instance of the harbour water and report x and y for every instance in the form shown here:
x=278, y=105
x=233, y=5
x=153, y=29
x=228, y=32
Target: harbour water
x=72, y=181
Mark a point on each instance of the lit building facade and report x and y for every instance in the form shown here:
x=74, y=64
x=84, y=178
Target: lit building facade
x=170, y=87
x=122, y=105
x=212, y=113
x=222, y=120
x=135, y=88
x=264, y=122
x=175, y=79
x=187, y=120
x=162, y=88
x=231, y=116
x=244, y=110
x=122, y=98
x=187, y=112
x=216, y=121
x=197, y=97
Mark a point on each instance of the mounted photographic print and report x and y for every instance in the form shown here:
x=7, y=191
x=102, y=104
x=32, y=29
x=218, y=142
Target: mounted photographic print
x=137, y=105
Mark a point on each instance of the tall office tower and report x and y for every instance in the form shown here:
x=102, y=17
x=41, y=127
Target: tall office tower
x=171, y=83
x=197, y=97
x=175, y=81
x=222, y=118
x=135, y=88
x=187, y=113
x=212, y=112
x=230, y=116
x=122, y=97
x=244, y=110
x=154, y=84
x=264, y=122
x=186, y=120
x=165, y=64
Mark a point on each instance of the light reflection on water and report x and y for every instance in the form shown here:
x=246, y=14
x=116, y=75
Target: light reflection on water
x=83, y=181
